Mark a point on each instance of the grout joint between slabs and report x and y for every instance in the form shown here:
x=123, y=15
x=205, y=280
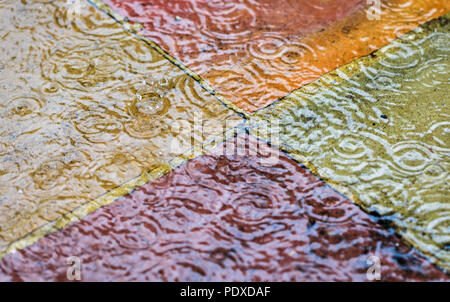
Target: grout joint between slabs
x=133, y=29
x=113, y=195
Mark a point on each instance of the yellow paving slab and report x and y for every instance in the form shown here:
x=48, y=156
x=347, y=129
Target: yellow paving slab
x=378, y=129
x=84, y=107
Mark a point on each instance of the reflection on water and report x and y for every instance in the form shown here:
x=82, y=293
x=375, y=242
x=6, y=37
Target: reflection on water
x=256, y=51
x=84, y=106
x=384, y=133
x=225, y=217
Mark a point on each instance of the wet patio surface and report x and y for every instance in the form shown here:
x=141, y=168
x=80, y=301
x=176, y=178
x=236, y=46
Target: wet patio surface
x=361, y=127
x=254, y=52
x=90, y=108
x=115, y=140
x=225, y=216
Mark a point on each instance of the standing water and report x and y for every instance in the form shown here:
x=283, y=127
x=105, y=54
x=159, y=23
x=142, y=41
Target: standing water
x=133, y=137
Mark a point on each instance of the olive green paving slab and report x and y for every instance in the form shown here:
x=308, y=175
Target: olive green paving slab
x=378, y=129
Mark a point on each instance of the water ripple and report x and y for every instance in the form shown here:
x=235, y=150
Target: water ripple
x=226, y=217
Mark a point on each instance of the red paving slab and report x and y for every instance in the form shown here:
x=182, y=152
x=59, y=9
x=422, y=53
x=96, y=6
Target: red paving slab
x=256, y=51
x=224, y=216
x=209, y=35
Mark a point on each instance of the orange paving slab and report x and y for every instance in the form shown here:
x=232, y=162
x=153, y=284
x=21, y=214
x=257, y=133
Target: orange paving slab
x=254, y=52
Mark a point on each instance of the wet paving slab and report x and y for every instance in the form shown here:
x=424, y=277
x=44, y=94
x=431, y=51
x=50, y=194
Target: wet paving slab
x=254, y=52
x=90, y=112
x=242, y=212
x=378, y=129
x=84, y=107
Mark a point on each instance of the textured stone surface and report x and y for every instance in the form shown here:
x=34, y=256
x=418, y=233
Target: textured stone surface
x=84, y=107
x=380, y=127
x=229, y=216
